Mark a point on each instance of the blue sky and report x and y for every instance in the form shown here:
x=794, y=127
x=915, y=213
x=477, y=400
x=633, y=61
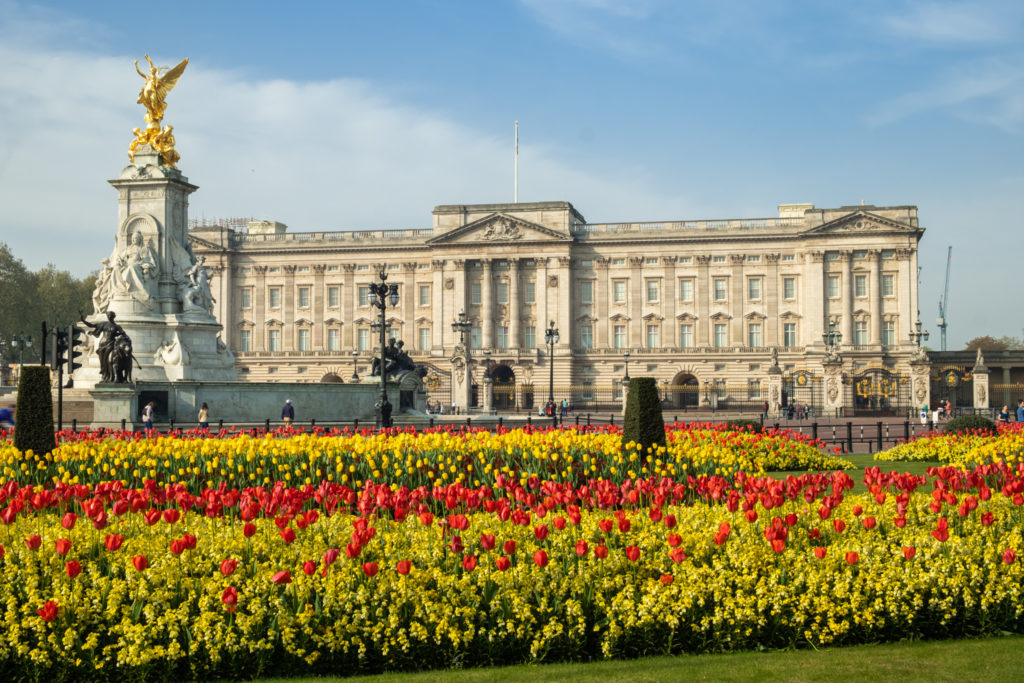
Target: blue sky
x=362, y=115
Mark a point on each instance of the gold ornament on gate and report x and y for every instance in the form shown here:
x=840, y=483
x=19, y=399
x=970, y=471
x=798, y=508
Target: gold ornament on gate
x=153, y=97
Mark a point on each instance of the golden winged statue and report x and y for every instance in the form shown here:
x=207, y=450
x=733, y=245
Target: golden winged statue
x=153, y=97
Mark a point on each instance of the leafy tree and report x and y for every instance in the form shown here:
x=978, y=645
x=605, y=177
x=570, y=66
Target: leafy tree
x=986, y=343
x=1012, y=343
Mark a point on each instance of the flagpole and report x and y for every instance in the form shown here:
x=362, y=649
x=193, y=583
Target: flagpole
x=517, y=164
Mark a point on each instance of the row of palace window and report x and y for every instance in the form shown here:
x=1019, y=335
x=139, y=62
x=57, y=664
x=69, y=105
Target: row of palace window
x=720, y=291
x=720, y=336
x=720, y=288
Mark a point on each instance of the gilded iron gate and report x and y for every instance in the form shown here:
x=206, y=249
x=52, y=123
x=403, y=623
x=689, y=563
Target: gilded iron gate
x=802, y=388
x=438, y=384
x=877, y=391
x=953, y=383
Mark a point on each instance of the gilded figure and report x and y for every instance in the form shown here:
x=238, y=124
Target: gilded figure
x=153, y=97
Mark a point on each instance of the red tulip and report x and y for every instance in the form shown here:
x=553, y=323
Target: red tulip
x=403, y=567
x=309, y=567
x=1018, y=499
x=113, y=541
x=288, y=535
x=152, y=516
x=852, y=557
x=177, y=546
x=230, y=598
x=330, y=556
x=2, y=552
x=502, y=563
x=370, y=568
x=857, y=510
x=469, y=562
x=791, y=519
x=820, y=552
x=909, y=551
x=33, y=542
x=605, y=525
x=839, y=525
x=353, y=550
x=667, y=579
x=73, y=569
x=249, y=529
x=62, y=545
x=540, y=558
x=48, y=611
x=190, y=541
x=987, y=518
x=869, y=523
x=487, y=541
x=282, y=577
x=426, y=519
x=172, y=515
x=509, y=547
x=559, y=523
x=68, y=521
x=670, y=521
x=624, y=525
x=228, y=566
x=581, y=548
x=601, y=551
x=900, y=521
x=655, y=514
x=633, y=553
x=677, y=555
x=456, y=544
x=140, y=562
x=1009, y=556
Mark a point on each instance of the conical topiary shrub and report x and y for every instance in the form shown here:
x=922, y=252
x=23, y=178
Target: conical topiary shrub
x=644, y=423
x=33, y=417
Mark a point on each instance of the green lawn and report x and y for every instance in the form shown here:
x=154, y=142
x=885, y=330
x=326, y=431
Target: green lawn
x=862, y=460
x=989, y=659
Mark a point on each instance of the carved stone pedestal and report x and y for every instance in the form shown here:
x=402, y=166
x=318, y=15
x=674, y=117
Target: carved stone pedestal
x=112, y=403
x=920, y=385
x=833, y=372
x=981, y=389
x=462, y=380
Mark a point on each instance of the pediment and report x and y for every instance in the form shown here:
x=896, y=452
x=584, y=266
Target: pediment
x=499, y=228
x=685, y=317
x=333, y=321
x=862, y=222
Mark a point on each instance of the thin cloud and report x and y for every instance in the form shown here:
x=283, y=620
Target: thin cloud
x=956, y=22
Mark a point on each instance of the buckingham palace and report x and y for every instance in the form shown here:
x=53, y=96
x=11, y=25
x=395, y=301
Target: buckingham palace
x=724, y=312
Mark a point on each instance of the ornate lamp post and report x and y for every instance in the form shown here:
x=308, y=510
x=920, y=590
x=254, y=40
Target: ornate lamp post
x=707, y=392
x=462, y=378
x=551, y=338
x=625, y=356
x=916, y=335
x=21, y=342
x=461, y=326
x=383, y=296
x=355, y=366
x=832, y=336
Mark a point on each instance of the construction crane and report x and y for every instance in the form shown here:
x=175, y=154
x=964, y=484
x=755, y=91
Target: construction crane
x=944, y=300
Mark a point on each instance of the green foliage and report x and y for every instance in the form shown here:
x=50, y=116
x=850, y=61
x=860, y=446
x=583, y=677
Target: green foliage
x=644, y=423
x=29, y=298
x=970, y=423
x=739, y=425
x=986, y=343
x=33, y=419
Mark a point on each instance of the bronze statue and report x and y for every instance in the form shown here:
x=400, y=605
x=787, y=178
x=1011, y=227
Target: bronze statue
x=153, y=97
x=111, y=335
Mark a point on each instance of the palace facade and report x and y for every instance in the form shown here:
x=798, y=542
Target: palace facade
x=708, y=307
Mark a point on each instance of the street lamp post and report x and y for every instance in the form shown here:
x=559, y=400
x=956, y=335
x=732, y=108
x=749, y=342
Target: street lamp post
x=383, y=296
x=461, y=326
x=626, y=357
x=21, y=342
x=355, y=366
x=832, y=338
x=551, y=338
x=916, y=335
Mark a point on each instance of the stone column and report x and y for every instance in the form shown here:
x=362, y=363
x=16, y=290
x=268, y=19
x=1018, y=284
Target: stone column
x=921, y=386
x=462, y=381
x=846, y=300
x=540, y=291
x=833, y=388
x=814, y=306
x=439, y=315
x=514, y=314
x=226, y=303
x=625, y=394
x=635, y=303
x=487, y=299
x=703, y=292
x=772, y=299
x=601, y=303
x=669, y=295
x=564, y=299
x=487, y=398
x=288, y=341
x=737, y=297
x=318, y=342
x=349, y=298
x=981, y=387
x=461, y=298
x=1007, y=399
x=408, y=304
x=875, y=283
x=259, y=309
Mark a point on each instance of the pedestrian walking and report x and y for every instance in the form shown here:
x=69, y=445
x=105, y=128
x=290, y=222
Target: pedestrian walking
x=1004, y=415
x=204, y=417
x=147, y=415
x=1020, y=410
x=288, y=412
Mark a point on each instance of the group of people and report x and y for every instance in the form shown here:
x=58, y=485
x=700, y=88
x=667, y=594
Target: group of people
x=561, y=408
x=438, y=408
x=1004, y=414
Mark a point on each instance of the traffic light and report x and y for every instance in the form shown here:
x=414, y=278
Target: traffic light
x=59, y=349
x=74, y=343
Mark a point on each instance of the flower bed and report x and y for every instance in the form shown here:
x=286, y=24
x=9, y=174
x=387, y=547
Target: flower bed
x=961, y=450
